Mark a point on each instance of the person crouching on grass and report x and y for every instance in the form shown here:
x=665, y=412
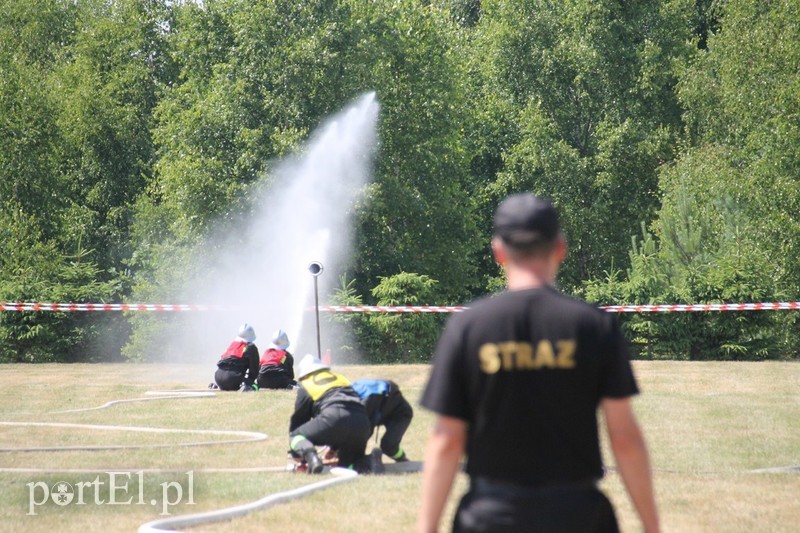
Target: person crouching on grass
x=277, y=364
x=517, y=380
x=237, y=367
x=386, y=406
x=328, y=412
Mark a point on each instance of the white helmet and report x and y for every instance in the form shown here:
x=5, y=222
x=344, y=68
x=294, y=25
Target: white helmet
x=308, y=365
x=280, y=340
x=246, y=332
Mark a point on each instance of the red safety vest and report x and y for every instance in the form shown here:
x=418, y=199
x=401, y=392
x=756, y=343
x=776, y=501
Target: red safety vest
x=273, y=357
x=235, y=349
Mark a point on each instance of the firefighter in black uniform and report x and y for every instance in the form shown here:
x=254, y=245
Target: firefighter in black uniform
x=328, y=412
x=516, y=382
x=277, y=364
x=237, y=367
x=386, y=407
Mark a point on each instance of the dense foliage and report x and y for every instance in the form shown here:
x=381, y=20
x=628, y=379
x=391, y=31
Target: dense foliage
x=667, y=132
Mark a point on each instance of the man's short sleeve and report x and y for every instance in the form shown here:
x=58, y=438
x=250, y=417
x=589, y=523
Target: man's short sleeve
x=446, y=391
x=617, y=379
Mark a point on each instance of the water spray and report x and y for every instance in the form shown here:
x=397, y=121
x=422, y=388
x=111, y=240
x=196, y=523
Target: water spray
x=299, y=212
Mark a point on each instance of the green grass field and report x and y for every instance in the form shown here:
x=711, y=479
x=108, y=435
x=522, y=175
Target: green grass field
x=709, y=426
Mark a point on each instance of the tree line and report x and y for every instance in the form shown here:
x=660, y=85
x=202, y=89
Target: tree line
x=666, y=131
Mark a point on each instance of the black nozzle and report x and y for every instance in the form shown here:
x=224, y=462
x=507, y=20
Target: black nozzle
x=315, y=268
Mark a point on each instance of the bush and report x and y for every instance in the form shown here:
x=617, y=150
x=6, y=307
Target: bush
x=393, y=337
x=703, y=256
x=33, y=268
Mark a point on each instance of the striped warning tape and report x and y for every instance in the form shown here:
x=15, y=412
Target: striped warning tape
x=393, y=308
x=659, y=308
x=665, y=308
x=693, y=308
x=77, y=307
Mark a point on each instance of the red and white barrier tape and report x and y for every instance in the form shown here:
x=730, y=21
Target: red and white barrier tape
x=393, y=308
x=69, y=307
x=660, y=308
x=693, y=308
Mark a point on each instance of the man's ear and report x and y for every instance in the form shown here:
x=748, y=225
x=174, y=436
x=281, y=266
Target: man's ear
x=499, y=252
x=561, y=249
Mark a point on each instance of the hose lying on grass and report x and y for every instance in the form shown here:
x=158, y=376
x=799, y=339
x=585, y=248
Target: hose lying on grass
x=157, y=395
x=244, y=436
x=340, y=475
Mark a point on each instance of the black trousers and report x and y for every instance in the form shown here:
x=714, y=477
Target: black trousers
x=579, y=508
x=396, y=420
x=274, y=380
x=343, y=430
x=228, y=379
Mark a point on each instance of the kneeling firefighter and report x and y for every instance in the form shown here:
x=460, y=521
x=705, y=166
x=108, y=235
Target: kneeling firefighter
x=328, y=412
x=386, y=407
x=237, y=367
x=277, y=364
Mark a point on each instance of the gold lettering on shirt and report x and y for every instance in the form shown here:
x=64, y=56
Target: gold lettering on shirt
x=507, y=352
x=566, y=354
x=525, y=359
x=545, y=358
x=512, y=355
x=490, y=358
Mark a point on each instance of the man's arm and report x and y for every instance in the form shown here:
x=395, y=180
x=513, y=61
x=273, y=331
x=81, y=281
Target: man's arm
x=442, y=458
x=288, y=364
x=303, y=409
x=251, y=353
x=633, y=462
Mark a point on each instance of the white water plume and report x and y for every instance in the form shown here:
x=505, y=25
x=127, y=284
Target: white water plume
x=303, y=214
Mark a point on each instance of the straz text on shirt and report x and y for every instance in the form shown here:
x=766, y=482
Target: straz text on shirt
x=521, y=355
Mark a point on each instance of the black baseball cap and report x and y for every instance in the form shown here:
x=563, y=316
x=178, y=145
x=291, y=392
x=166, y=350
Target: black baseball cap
x=525, y=219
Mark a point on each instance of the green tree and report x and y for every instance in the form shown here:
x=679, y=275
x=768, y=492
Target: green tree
x=104, y=90
x=29, y=140
x=591, y=88
x=421, y=217
x=701, y=252
x=77, y=87
x=727, y=229
x=741, y=100
x=33, y=268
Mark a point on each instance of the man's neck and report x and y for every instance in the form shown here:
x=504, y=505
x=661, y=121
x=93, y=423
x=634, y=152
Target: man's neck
x=529, y=277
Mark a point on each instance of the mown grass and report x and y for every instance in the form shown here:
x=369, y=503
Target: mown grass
x=708, y=426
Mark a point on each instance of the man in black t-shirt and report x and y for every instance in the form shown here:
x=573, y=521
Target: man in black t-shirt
x=516, y=383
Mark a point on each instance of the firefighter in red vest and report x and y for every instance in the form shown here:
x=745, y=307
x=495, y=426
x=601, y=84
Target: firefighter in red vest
x=277, y=364
x=237, y=367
